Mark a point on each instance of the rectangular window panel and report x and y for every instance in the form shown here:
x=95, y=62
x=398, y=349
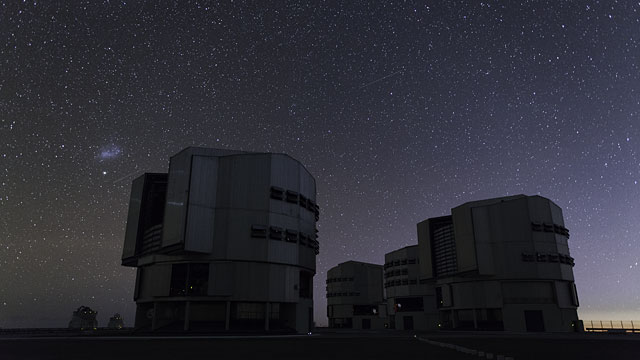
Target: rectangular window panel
x=275, y=233
x=291, y=236
x=277, y=193
x=292, y=197
x=258, y=231
x=178, y=285
x=198, y=279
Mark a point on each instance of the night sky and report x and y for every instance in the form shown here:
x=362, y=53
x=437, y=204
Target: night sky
x=400, y=110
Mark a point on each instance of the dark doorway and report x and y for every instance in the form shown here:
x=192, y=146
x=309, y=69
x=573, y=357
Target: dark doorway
x=366, y=323
x=408, y=322
x=534, y=320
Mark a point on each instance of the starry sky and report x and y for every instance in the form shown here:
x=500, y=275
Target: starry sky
x=400, y=109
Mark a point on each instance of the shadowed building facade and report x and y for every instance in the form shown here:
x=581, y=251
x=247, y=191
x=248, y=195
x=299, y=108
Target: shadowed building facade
x=500, y=264
x=354, y=296
x=226, y=240
x=410, y=301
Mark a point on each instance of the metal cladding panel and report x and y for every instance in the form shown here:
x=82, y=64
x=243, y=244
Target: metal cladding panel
x=540, y=210
x=476, y=294
x=234, y=240
x=201, y=205
x=307, y=183
x=510, y=221
x=556, y=214
x=424, y=250
x=465, y=243
x=277, y=282
x=133, y=217
x=307, y=258
x=155, y=281
x=243, y=182
x=175, y=213
x=563, y=294
x=484, y=239
x=374, y=283
x=221, y=277
x=161, y=280
x=251, y=281
x=283, y=252
x=282, y=283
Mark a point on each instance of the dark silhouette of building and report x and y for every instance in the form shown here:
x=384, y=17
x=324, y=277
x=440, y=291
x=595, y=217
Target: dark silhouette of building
x=409, y=299
x=226, y=240
x=354, y=296
x=500, y=264
x=84, y=318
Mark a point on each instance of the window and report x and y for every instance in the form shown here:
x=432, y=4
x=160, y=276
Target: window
x=364, y=309
x=405, y=272
x=409, y=304
x=411, y=261
x=274, y=311
x=249, y=311
x=178, y=285
x=275, y=233
x=303, y=201
x=303, y=239
x=527, y=257
x=198, y=279
x=305, y=285
x=439, y=299
x=541, y=257
x=189, y=279
x=292, y=197
x=291, y=236
x=403, y=262
x=277, y=193
x=258, y=231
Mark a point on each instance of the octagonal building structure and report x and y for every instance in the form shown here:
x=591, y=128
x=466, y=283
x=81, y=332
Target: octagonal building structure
x=501, y=264
x=354, y=296
x=225, y=241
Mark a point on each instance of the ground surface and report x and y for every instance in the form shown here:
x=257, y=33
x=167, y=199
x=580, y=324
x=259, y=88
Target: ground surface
x=346, y=345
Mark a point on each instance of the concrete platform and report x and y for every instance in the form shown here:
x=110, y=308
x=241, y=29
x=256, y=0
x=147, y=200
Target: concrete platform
x=324, y=345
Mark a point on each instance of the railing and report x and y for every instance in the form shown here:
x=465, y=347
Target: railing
x=612, y=326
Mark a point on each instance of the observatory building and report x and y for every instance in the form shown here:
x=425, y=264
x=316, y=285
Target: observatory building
x=354, y=296
x=500, y=264
x=410, y=301
x=226, y=240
